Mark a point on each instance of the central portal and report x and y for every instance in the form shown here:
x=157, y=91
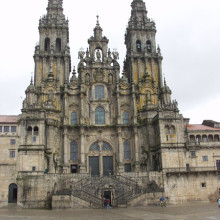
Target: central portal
x=107, y=165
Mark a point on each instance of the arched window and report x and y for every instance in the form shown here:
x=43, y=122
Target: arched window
x=167, y=129
x=99, y=92
x=106, y=147
x=172, y=130
x=73, y=151
x=210, y=138
x=73, y=118
x=100, y=116
x=47, y=44
x=125, y=118
x=216, y=137
x=58, y=45
x=192, y=138
x=127, y=150
x=138, y=46
x=94, y=147
x=29, y=130
x=148, y=45
x=36, y=130
x=198, y=139
x=204, y=138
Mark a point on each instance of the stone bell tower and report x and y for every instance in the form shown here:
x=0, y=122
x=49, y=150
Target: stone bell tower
x=143, y=59
x=53, y=52
x=41, y=147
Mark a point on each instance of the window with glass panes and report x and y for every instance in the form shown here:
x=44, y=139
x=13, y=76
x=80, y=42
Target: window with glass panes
x=99, y=92
x=73, y=151
x=127, y=150
x=6, y=128
x=100, y=116
x=73, y=118
x=125, y=118
x=13, y=129
x=12, y=141
x=12, y=154
x=0, y=128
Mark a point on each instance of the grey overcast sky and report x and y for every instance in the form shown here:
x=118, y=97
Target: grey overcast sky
x=188, y=32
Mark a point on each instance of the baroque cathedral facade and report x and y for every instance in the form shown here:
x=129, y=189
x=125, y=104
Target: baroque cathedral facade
x=87, y=134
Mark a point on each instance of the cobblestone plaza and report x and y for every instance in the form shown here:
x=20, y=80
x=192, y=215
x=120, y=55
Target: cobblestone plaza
x=189, y=211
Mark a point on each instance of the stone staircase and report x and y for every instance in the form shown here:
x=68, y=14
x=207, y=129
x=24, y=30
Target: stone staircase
x=123, y=190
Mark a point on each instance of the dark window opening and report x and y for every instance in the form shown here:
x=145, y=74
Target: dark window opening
x=58, y=45
x=148, y=45
x=218, y=165
x=0, y=128
x=33, y=168
x=29, y=129
x=36, y=130
x=138, y=46
x=127, y=167
x=187, y=167
x=74, y=168
x=47, y=45
x=203, y=185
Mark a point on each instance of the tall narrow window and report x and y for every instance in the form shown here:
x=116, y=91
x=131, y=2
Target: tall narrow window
x=110, y=112
x=100, y=116
x=138, y=46
x=36, y=130
x=73, y=151
x=89, y=111
x=73, y=118
x=47, y=44
x=127, y=150
x=148, y=45
x=90, y=94
x=58, y=45
x=0, y=128
x=125, y=118
x=99, y=92
x=12, y=153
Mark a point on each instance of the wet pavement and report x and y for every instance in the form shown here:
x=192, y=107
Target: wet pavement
x=189, y=211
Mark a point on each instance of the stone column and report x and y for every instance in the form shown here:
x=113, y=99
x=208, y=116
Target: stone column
x=136, y=150
x=120, y=152
x=44, y=69
x=82, y=151
x=65, y=147
x=134, y=105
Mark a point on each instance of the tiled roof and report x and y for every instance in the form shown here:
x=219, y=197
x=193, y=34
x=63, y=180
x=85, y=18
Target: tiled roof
x=9, y=118
x=201, y=128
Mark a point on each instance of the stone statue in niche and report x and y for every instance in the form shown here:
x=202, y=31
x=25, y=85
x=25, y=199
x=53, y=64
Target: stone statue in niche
x=115, y=55
x=81, y=54
x=87, y=78
x=98, y=56
x=110, y=78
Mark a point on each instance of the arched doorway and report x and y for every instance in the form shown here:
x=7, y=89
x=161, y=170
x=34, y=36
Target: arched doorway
x=100, y=159
x=12, y=193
